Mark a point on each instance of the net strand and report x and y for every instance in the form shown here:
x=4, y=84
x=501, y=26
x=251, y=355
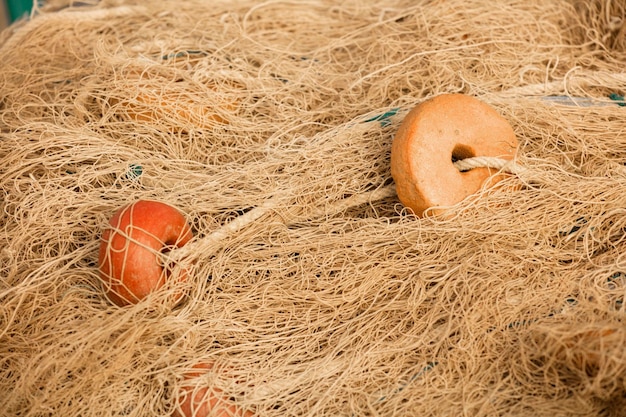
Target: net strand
x=310, y=289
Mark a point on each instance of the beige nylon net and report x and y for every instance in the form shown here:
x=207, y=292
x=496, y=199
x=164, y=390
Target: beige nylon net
x=327, y=299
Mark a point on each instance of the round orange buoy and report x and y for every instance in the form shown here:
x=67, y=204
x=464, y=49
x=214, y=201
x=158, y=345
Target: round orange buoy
x=130, y=249
x=433, y=136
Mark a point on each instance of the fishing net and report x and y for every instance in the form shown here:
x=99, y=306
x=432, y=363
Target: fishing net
x=311, y=290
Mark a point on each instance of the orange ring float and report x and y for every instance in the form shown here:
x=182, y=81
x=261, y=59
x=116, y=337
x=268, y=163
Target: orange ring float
x=433, y=136
x=129, y=257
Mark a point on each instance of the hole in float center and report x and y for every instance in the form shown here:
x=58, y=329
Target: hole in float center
x=461, y=152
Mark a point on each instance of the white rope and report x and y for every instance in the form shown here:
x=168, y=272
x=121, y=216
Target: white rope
x=212, y=241
x=504, y=165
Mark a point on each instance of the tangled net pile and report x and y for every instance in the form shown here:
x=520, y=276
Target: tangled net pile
x=335, y=301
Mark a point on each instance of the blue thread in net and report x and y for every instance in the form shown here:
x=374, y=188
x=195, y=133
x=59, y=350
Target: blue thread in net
x=384, y=118
x=575, y=101
x=619, y=99
x=134, y=172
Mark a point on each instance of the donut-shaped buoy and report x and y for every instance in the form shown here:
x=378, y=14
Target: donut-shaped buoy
x=130, y=249
x=196, y=401
x=434, y=135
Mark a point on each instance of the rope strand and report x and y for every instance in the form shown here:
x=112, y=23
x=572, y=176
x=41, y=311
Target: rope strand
x=505, y=165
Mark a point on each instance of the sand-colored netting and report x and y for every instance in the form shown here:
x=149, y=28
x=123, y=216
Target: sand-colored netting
x=328, y=298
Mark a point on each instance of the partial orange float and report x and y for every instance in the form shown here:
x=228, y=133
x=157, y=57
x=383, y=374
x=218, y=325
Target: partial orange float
x=194, y=401
x=160, y=99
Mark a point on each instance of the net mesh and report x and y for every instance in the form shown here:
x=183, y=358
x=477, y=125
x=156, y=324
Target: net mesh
x=328, y=298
